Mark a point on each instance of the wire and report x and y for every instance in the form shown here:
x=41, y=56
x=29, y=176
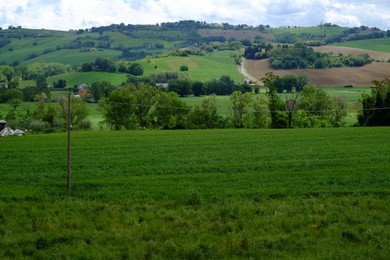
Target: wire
x=233, y=110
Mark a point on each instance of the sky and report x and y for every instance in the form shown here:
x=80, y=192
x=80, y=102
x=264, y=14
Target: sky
x=83, y=14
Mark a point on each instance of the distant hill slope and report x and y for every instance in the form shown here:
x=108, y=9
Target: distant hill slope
x=136, y=42
x=202, y=68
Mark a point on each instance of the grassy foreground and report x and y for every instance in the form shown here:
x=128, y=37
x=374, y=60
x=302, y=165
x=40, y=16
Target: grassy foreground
x=300, y=193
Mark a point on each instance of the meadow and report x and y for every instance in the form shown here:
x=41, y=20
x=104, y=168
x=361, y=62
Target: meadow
x=201, y=68
x=381, y=45
x=210, y=194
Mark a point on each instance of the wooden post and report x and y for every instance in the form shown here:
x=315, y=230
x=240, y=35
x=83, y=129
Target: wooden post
x=69, y=129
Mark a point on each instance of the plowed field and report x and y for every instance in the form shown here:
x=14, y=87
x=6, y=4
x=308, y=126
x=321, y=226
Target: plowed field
x=358, y=77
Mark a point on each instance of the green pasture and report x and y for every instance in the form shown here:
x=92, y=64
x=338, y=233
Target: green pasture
x=122, y=40
x=207, y=194
x=76, y=57
x=202, y=68
x=314, y=30
x=352, y=94
x=382, y=44
x=73, y=78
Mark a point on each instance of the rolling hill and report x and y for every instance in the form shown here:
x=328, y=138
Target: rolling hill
x=146, y=43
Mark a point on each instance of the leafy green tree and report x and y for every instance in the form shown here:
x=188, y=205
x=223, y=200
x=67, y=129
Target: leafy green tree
x=86, y=67
x=101, y=89
x=79, y=112
x=61, y=83
x=198, y=88
x=240, y=106
x=279, y=118
x=135, y=69
x=8, y=72
x=11, y=94
x=290, y=83
x=170, y=112
x=14, y=103
x=206, y=115
x=261, y=114
x=183, y=68
x=315, y=101
x=118, y=109
x=340, y=107
x=41, y=82
x=103, y=64
x=376, y=106
x=145, y=97
x=180, y=86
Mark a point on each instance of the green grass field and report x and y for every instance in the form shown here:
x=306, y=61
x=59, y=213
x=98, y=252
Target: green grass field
x=201, y=68
x=313, y=30
x=212, y=194
x=382, y=44
x=73, y=78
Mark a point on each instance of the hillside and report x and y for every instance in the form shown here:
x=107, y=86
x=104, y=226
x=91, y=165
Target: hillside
x=151, y=45
x=202, y=68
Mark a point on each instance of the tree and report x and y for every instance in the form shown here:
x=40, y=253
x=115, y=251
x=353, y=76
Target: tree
x=101, y=89
x=11, y=94
x=103, y=64
x=118, y=109
x=240, y=105
x=15, y=102
x=183, y=68
x=290, y=83
x=79, y=112
x=314, y=108
x=261, y=114
x=61, y=83
x=41, y=82
x=315, y=101
x=86, y=67
x=135, y=69
x=198, y=88
x=206, y=115
x=145, y=98
x=376, y=106
x=340, y=106
x=8, y=72
x=180, y=86
x=170, y=112
x=279, y=118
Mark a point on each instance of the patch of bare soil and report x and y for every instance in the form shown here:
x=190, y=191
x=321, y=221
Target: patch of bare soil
x=357, y=76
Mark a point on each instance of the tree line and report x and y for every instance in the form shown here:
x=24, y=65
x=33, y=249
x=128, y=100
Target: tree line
x=289, y=102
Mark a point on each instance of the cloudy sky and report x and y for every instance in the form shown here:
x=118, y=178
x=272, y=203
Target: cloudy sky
x=81, y=14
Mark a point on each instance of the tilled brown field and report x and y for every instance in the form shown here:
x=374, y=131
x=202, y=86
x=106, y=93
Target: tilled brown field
x=358, y=77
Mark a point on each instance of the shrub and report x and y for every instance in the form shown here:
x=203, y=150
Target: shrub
x=39, y=126
x=183, y=68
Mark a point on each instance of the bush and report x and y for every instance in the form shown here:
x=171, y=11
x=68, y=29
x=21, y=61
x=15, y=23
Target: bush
x=84, y=124
x=39, y=126
x=183, y=68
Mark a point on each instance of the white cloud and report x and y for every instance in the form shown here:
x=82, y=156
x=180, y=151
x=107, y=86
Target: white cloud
x=75, y=14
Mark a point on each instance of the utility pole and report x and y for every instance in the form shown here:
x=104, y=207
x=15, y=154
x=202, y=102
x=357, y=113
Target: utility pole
x=69, y=129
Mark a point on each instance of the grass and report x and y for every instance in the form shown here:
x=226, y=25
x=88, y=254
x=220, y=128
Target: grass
x=76, y=56
x=382, y=44
x=313, y=30
x=73, y=78
x=214, y=194
x=202, y=68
